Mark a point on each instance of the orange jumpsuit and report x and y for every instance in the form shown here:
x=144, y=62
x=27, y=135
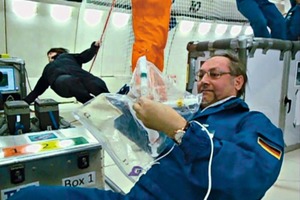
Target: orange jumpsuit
x=150, y=22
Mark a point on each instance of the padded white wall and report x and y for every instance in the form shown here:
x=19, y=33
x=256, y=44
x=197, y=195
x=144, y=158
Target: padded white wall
x=264, y=85
x=292, y=132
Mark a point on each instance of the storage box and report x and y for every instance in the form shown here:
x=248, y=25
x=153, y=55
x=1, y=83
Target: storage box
x=18, y=116
x=66, y=157
x=46, y=110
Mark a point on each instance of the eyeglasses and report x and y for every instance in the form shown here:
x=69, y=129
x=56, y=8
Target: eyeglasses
x=213, y=73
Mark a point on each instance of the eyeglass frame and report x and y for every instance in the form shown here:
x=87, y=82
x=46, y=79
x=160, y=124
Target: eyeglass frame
x=219, y=74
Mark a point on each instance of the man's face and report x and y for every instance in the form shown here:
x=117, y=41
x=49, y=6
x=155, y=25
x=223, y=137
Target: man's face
x=220, y=84
x=51, y=55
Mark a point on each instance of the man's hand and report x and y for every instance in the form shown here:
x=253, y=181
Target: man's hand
x=158, y=116
x=97, y=43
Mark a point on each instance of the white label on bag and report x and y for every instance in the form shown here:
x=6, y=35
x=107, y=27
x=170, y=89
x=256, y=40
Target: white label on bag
x=82, y=180
x=6, y=193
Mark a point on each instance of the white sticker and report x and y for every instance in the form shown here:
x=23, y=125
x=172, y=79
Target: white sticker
x=6, y=193
x=82, y=180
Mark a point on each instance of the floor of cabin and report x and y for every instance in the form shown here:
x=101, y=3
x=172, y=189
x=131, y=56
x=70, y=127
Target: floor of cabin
x=287, y=185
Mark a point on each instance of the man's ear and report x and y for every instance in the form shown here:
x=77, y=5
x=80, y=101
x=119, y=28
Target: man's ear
x=238, y=82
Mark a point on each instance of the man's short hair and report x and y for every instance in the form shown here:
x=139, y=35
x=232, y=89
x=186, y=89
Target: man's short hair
x=58, y=50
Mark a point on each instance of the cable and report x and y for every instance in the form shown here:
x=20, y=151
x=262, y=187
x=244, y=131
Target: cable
x=103, y=32
x=154, y=162
x=210, y=135
x=210, y=158
x=27, y=79
x=52, y=117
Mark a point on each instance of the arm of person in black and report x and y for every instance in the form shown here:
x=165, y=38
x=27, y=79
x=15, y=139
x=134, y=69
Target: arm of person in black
x=87, y=54
x=40, y=87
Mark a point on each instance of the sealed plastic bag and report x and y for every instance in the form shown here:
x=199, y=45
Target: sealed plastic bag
x=111, y=119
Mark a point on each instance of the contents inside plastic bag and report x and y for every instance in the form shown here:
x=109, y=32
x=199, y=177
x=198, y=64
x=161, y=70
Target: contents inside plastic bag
x=111, y=119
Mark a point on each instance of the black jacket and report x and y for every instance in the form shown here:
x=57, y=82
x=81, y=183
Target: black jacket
x=64, y=64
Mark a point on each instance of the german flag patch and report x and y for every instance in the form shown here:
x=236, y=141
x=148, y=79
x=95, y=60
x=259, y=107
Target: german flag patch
x=269, y=148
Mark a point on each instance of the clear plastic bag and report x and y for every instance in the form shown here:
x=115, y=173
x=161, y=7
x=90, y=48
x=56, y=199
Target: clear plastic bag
x=111, y=119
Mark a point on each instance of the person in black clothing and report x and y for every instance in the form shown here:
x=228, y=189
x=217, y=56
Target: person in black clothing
x=64, y=74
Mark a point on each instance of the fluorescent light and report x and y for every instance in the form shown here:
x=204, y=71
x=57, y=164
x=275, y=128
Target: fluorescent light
x=61, y=13
x=92, y=17
x=186, y=26
x=120, y=19
x=221, y=29
x=204, y=28
x=24, y=9
x=248, y=31
x=235, y=30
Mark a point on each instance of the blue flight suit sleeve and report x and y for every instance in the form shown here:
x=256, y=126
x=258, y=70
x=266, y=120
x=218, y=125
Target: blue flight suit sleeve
x=293, y=23
x=241, y=165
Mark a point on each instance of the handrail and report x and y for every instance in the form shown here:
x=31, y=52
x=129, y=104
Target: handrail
x=252, y=44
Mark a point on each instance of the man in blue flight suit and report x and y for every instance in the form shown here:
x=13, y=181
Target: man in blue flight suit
x=292, y=19
x=261, y=15
x=245, y=148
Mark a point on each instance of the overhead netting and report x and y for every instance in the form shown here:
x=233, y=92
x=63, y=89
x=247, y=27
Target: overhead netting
x=215, y=11
x=221, y=10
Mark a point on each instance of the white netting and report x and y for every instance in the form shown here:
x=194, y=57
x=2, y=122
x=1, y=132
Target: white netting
x=222, y=10
x=195, y=11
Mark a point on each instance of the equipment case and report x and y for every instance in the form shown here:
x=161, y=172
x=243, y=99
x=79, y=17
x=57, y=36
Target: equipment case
x=18, y=116
x=46, y=110
x=68, y=157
